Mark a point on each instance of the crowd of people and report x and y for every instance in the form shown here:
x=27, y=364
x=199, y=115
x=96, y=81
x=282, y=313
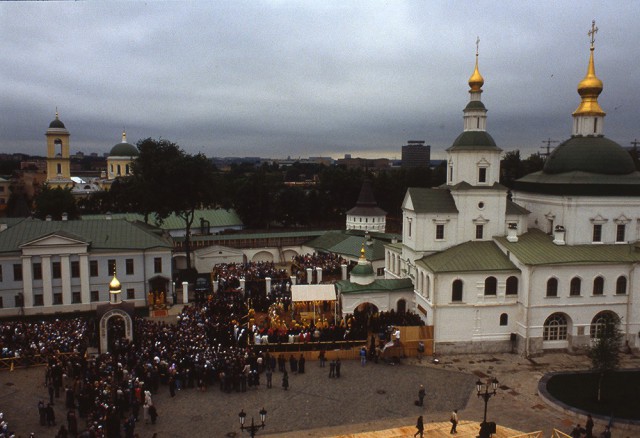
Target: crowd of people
x=330, y=263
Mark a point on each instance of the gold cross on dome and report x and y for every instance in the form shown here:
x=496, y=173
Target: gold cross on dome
x=592, y=33
x=477, y=45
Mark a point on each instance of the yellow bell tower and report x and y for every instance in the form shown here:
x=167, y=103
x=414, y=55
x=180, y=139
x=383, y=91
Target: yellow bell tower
x=58, y=160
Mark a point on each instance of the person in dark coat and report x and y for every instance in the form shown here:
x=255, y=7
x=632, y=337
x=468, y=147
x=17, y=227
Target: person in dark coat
x=51, y=415
x=301, y=363
x=293, y=364
x=421, y=394
x=153, y=413
x=42, y=411
x=285, y=380
x=420, y=427
x=338, y=365
x=332, y=368
x=72, y=422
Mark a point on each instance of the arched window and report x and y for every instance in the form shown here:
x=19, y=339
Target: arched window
x=427, y=285
x=456, y=291
x=402, y=307
x=598, y=285
x=603, y=324
x=490, y=286
x=512, y=285
x=621, y=285
x=574, y=288
x=552, y=287
x=555, y=328
x=504, y=319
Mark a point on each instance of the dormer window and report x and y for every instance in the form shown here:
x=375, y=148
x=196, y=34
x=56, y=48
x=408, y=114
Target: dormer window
x=482, y=175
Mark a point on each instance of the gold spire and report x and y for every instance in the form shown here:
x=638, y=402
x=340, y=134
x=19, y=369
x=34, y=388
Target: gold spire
x=124, y=136
x=56, y=113
x=476, y=81
x=362, y=256
x=590, y=86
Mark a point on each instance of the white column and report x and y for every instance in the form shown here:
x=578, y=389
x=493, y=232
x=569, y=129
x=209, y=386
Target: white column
x=293, y=280
x=344, y=271
x=85, y=295
x=185, y=292
x=309, y=275
x=267, y=283
x=319, y=275
x=27, y=281
x=65, y=269
x=47, y=288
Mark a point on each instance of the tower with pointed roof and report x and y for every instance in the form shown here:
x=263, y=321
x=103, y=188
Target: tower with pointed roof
x=366, y=215
x=58, y=159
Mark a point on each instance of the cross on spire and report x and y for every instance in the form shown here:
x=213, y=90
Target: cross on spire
x=592, y=33
x=477, y=45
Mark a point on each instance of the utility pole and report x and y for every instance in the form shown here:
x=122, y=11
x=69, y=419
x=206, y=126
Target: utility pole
x=548, y=142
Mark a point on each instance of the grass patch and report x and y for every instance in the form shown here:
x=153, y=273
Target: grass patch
x=620, y=393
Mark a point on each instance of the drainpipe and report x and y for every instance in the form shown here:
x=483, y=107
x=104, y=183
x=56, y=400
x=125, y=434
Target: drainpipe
x=527, y=320
x=629, y=299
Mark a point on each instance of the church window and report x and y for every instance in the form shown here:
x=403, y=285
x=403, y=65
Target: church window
x=512, y=285
x=17, y=272
x=504, y=319
x=621, y=285
x=456, y=291
x=440, y=232
x=478, y=122
x=595, y=126
x=555, y=328
x=111, y=168
x=490, y=286
x=76, y=298
x=598, y=285
x=93, y=268
x=37, y=271
x=129, y=266
x=550, y=226
x=111, y=267
x=620, y=232
x=479, y=231
x=574, y=287
x=0, y=272
x=126, y=169
x=95, y=295
x=57, y=299
x=56, y=271
x=482, y=174
x=38, y=300
x=597, y=232
x=602, y=324
x=451, y=173
x=552, y=287
x=157, y=265
x=75, y=269
x=409, y=227
x=131, y=293
x=118, y=167
x=59, y=169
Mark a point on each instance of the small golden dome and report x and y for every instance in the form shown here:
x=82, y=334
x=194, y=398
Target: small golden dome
x=589, y=89
x=476, y=81
x=362, y=256
x=114, y=285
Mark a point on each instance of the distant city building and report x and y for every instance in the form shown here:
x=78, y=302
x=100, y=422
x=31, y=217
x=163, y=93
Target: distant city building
x=416, y=154
x=364, y=163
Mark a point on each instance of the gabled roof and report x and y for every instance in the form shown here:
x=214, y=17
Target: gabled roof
x=383, y=285
x=67, y=236
x=537, y=248
x=515, y=209
x=102, y=234
x=474, y=256
x=348, y=245
x=425, y=200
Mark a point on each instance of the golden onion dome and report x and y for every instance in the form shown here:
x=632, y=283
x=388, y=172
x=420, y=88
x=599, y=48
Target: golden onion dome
x=114, y=285
x=476, y=81
x=589, y=89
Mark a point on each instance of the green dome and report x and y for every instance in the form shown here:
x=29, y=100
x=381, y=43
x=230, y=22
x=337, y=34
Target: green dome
x=473, y=140
x=475, y=104
x=124, y=150
x=589, y=154
x=362, y=270
x=57, y=124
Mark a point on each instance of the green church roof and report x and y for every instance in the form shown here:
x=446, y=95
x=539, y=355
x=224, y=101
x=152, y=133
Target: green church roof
x=382, y=285
x=474, y=140
x=471, y=256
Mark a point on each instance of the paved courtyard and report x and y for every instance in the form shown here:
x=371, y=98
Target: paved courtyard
x=374, y=397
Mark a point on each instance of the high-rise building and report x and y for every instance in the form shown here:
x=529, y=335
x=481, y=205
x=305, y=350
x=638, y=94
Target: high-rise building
x=416, y=154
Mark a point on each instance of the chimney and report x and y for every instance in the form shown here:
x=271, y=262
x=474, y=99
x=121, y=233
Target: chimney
x=48, y=218
x=512, y=232
x=558, y=235
x=108, y=216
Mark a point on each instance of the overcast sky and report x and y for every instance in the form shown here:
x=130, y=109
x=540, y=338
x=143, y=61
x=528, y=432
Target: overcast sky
x=313, y=78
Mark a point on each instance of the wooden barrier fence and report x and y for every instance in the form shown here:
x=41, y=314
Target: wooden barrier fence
x=11, y=363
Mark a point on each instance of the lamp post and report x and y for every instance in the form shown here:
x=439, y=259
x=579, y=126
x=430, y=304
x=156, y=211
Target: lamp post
x=486, y=390
x=253, y=428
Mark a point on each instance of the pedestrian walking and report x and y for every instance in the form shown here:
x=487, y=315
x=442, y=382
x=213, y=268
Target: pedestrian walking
x=322, y=358
x=421, y=394
x=420, y=427
x=363, y=356
x=338, y=366
x=285, y=380
x=269, y=375
x=332, y=368
x=454, y=421
x=589, y=427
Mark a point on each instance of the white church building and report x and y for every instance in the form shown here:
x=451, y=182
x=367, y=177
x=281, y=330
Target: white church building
x=535, y=272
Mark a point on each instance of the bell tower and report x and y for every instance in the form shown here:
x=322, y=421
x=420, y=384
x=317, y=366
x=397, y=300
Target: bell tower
x=58, y=160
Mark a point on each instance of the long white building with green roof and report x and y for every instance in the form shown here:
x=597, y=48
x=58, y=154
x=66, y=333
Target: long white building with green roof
x=540, y=270
x=49, y=267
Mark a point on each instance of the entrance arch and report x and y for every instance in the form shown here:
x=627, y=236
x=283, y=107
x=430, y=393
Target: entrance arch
x=104, y=327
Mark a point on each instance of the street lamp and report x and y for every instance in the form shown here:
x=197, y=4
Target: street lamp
x=486, y=390
x=253, y=428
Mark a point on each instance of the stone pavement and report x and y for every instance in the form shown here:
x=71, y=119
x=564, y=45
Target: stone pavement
x=364, y=399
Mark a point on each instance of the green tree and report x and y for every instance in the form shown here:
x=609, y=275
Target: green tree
x=55, y=202
x=605, y=350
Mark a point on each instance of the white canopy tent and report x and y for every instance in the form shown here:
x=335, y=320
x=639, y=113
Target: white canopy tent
x=314, y=292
